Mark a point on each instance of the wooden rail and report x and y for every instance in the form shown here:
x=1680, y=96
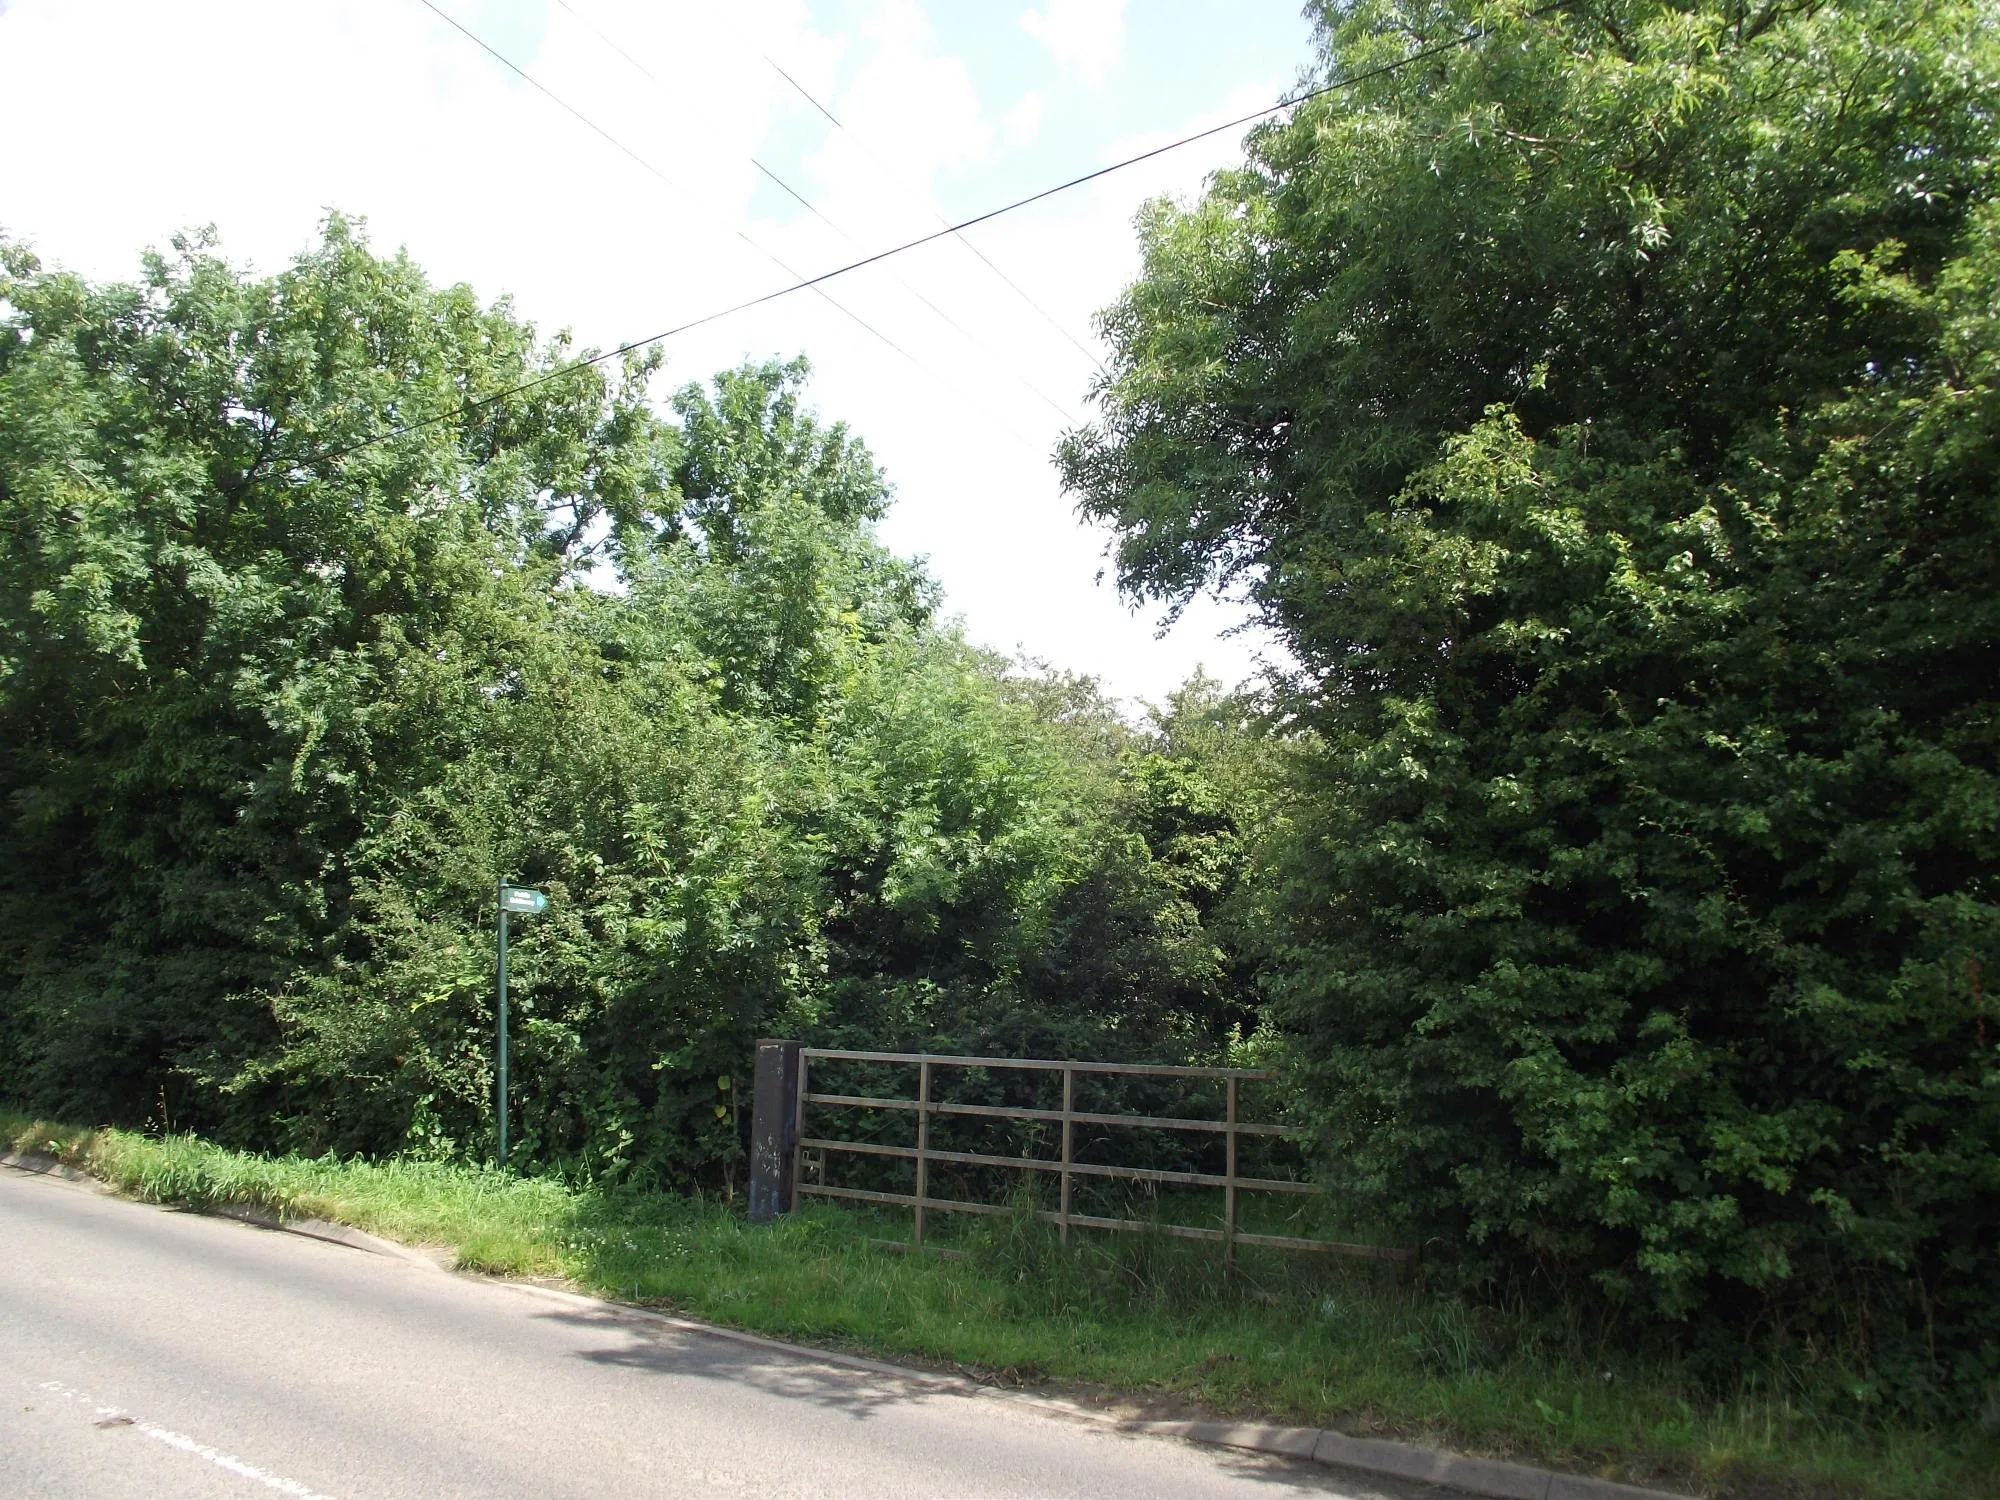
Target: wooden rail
x=1066, y=1168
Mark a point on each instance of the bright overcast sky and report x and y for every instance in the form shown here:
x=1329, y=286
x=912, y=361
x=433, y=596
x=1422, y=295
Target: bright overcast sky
x=126, y=120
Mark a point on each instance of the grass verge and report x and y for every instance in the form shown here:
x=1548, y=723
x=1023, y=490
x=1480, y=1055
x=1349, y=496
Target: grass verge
x=1143, y=1317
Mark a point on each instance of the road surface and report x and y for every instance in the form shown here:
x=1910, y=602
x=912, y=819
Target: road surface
x=145, y=1352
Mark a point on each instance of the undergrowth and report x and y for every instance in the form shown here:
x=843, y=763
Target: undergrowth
x=1366, y=1348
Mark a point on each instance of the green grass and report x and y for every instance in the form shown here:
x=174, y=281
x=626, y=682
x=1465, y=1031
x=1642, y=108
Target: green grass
x=1346, y=1345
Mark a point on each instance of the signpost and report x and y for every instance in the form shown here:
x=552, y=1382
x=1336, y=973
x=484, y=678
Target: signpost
x=520, y=901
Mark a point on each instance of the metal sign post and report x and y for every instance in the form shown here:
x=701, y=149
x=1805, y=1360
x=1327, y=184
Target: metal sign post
x=521, y=901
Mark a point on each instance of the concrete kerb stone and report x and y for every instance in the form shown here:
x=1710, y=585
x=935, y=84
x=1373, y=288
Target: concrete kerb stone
x=44, y=1166
x=1478, y=1476
x=1481, y=1476
x=317, y=1229
x=327, y=1230
x=1292, y=1442
x=1584, y=1487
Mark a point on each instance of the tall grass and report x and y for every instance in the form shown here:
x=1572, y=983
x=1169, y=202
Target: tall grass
x=1145, y=1318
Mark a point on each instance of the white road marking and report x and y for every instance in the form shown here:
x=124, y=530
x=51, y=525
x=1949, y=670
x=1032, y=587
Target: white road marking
x=186, y=1444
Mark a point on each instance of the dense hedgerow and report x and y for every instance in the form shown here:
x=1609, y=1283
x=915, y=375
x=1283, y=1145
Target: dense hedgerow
x=1605, y=412
x=331, y=598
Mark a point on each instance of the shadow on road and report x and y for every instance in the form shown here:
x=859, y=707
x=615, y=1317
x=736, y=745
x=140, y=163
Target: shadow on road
x=643, y=1345
x=640, y=1344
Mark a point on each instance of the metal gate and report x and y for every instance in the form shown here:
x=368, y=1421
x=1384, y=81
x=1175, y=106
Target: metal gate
x=791, y=1074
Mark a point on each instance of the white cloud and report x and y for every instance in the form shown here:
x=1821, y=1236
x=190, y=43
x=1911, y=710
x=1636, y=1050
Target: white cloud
x=911, y=101
x=1025, y=118
x=1086, y=35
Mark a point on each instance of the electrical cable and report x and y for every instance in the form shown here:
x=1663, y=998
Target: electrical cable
x=1043, y=313
x=581, y=118
x=810, y=283
x=812, y=208
x=768, y=254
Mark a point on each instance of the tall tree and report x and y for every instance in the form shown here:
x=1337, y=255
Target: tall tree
x=234, y=626
x=1604, y=410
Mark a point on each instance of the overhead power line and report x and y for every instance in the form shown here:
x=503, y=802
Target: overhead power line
x=887, y=174
x=812, y=208
x=770, y=255
x=596, y=129
x=986, y=260
x=812, y=283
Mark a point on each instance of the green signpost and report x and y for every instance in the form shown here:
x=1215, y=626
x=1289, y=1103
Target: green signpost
x=520, y=901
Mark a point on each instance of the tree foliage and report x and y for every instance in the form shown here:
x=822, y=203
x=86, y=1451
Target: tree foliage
x=329, y=599
x=1605, y=413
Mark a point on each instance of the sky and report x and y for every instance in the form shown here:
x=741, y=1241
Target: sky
x=657, y=175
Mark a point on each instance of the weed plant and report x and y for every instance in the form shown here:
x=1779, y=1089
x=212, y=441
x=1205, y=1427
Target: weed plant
x=1157, y=1322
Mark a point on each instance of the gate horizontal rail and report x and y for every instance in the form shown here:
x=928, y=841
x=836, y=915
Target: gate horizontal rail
x=1003, y=1112
x=1067, y=1168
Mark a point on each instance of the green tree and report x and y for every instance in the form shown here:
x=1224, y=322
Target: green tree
x=229, y=637
x=329, y=599
x=1604, y=411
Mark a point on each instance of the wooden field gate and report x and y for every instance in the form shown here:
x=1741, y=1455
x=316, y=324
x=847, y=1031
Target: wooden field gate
x=780, y=1141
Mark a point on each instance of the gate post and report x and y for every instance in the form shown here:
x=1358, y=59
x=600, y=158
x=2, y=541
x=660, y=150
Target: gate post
x=774, y=1117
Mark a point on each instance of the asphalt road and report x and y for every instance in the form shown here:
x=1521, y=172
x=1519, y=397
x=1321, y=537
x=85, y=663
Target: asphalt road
x=150, y=1353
